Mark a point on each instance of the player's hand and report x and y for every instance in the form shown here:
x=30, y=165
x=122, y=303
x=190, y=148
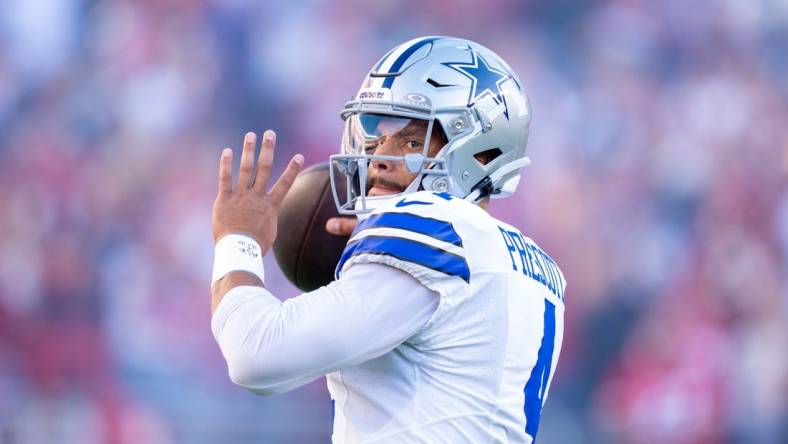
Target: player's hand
x=249, y=208
x=341, y=226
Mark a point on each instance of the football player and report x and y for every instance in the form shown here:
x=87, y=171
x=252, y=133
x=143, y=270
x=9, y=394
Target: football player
x=444, y=324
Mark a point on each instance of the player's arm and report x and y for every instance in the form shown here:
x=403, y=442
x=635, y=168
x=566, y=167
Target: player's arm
x=272, y=346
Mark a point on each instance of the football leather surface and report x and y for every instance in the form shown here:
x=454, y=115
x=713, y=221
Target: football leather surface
x=304, y=250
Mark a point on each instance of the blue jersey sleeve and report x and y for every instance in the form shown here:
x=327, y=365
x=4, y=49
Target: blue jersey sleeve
x=415, y=235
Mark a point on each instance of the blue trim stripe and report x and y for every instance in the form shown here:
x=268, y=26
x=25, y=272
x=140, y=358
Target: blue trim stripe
x=404, y=58
x=410, y=251
x=438, y=229
x=536, y=386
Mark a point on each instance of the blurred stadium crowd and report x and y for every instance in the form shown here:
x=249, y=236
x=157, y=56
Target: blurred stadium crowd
x=659, y=185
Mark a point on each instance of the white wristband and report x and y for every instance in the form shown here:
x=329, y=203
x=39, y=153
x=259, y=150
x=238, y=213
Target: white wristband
x=236, y=252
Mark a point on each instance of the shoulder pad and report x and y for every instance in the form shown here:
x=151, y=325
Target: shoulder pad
x=415, y=234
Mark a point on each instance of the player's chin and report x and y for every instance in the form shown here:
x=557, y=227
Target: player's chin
x=378, y=190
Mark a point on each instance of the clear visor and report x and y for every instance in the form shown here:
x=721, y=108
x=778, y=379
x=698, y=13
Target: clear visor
x=367, y=133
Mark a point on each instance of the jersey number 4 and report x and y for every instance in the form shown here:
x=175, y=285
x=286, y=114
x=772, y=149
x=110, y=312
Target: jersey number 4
x=536, y=387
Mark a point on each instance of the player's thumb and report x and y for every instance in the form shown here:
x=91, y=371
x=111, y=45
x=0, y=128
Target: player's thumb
x=341, y=226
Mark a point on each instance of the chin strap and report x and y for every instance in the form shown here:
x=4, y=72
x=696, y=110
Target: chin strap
x=485, y=187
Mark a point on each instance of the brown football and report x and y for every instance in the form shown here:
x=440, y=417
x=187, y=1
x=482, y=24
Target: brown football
x=304, y=250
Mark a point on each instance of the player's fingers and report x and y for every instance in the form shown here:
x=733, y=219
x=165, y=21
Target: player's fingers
x=226, y=172
x=266, y=160
x=246, y=172
x=285, y=181
x=341, y=226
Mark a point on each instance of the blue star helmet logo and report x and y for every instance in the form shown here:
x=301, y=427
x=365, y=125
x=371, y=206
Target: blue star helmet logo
x=484, y=79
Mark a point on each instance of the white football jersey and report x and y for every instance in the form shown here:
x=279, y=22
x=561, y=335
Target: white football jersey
x=480, y=369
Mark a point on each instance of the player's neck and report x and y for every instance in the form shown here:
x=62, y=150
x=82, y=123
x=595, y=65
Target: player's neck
x=484, y=204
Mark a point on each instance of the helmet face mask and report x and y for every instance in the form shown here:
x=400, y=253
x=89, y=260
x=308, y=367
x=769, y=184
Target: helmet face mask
x=440, y=83
x=401, y=142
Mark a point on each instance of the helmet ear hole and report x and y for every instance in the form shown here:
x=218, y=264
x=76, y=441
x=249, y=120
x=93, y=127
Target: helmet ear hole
x=487, y=156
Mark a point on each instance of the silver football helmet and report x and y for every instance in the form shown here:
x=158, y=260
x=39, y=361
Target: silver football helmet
x=468, y=91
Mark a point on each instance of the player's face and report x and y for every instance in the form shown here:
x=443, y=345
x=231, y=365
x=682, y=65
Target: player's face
x=398, y=138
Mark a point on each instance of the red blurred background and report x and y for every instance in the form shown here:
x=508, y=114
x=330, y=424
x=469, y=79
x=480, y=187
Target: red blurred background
x=660, y=158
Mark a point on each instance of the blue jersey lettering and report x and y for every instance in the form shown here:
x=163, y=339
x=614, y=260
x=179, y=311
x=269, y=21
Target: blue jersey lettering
x=534, y=262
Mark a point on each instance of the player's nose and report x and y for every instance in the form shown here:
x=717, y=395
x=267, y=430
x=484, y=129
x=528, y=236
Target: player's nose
x=385, y=149
x=380, y=165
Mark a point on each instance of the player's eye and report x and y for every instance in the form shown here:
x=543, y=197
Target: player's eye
x=413, y=144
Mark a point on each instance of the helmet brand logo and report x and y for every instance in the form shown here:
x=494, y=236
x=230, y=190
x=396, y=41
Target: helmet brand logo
x=417, y=99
